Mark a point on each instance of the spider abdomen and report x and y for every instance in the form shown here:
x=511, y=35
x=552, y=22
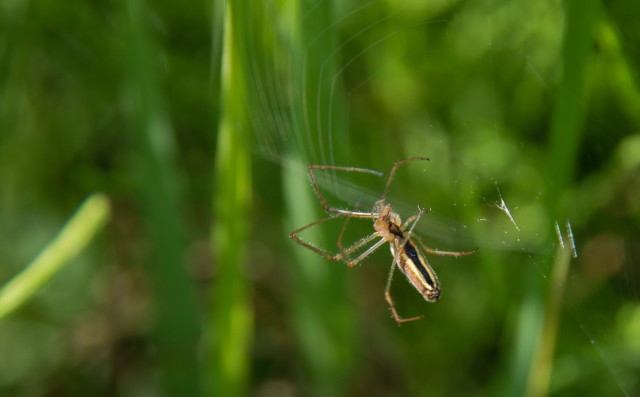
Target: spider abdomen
x=418, y=271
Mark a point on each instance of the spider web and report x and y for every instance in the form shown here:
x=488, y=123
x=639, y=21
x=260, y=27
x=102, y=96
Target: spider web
x=468, y=86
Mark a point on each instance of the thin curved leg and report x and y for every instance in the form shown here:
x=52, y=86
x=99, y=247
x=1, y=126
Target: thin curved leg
x=434, y=251
x=323, y=201
x=387, y=291
x=393, y=171
x=344, y=254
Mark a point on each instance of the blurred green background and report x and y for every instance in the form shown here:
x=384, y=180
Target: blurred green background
x=182, y=133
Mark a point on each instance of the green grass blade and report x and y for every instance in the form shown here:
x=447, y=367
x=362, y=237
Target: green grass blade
x=322, y=311
x=542, y=359
x=571, y=102
x=537, y=328
x=176, y=331
x=73, y=238
x=232, y=315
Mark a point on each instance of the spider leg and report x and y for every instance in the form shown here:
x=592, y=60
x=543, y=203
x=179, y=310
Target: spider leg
x=343, y=255
x=366, y=253
x=393, y=171
x=432, y=251
x=323, y=201
x=398, y=250
x=444, y=253
x=415, y=218
x=355, y=246
x=339, y=241
x=387, y=295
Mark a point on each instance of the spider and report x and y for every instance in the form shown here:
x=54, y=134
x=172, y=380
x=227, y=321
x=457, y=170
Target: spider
x=389, y=228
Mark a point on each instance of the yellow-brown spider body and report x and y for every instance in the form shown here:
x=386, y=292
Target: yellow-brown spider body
x=388, y=228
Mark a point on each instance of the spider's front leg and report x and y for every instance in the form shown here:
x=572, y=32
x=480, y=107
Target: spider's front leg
x=323, y=201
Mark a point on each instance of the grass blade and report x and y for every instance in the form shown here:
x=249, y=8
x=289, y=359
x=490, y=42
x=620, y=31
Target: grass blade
x=231, y=316
x=176, y=330
x=73, y=238
x=539, y=324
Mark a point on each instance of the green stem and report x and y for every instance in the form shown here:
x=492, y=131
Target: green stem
x=73, y=238
x=232, y=314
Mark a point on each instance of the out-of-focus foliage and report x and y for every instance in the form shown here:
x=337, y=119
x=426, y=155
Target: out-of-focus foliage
x=529, y=111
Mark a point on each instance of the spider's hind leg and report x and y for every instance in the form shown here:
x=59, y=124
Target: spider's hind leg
x=344, y=252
